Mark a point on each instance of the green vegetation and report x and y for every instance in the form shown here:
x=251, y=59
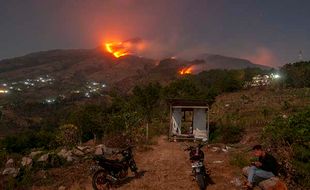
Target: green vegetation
x=296, y=75
x=239, y=159
x=290, y=139
x=23, y=142
x=68, y=135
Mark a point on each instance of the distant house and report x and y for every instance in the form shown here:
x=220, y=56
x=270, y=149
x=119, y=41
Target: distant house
x=189, y=119
x=261, y=80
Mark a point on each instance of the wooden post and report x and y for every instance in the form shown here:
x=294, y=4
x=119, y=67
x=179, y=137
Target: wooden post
x=170, y=124
x=208, y=125
x=147, y=131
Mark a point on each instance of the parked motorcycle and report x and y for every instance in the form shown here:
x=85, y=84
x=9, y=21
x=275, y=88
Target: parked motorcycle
x=198, y=169
x=107, y=173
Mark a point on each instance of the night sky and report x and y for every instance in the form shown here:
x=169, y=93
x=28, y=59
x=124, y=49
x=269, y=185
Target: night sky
x=269, y=32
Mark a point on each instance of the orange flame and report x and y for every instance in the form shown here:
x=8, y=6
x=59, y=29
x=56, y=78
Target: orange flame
x=117, y=49
x=186, y=70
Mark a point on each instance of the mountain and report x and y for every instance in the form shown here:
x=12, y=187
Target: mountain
x=68, y=65
x=71, y=69
x=223, y=62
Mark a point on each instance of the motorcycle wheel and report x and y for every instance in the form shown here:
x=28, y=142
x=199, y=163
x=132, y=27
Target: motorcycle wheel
x=99, y=180
x=201, y=181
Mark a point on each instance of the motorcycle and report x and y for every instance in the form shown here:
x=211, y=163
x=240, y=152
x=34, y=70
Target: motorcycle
x=107, y=173
x=198, y=169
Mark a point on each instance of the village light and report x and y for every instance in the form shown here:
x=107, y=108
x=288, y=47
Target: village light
x=4, y=91
x=276, y=76
x=50, y=101
x=87, y=95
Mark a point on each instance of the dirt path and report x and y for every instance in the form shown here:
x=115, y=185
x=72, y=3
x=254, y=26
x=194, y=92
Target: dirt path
x=167, y=167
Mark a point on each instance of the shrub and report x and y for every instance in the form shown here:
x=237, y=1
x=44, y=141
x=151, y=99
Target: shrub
x=290, y=139
x=239, y=159
x=226, y=133
x=68, y=135
x=3, y=157
x=23, y=142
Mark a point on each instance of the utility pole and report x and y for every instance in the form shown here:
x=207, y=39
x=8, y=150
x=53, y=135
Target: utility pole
x=300, y=56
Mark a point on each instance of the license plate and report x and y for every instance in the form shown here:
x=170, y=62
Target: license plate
x=197, y=165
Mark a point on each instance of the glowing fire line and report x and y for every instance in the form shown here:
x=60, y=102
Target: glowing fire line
x=187, y=70
x=110, y=47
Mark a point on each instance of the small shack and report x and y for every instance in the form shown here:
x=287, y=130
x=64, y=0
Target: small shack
x=189, y=119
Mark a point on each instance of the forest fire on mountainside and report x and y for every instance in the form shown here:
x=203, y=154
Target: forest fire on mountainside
x=186, y=70
x=117, y=49
x=122, y=48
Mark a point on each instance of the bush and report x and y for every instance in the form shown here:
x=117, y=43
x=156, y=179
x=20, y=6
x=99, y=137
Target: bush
x=290, y=139
x=68, y=135
x=23, y=142
x=239, y=159
x=226, y=133
x=3, y=157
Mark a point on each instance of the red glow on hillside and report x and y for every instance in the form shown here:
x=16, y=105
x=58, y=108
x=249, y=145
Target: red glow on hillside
x=186, y=70
x=118, y=49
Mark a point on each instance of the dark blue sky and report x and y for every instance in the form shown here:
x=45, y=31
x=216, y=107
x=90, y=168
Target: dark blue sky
x=265, y=31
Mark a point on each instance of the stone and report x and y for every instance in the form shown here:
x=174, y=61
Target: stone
x=42, y=174
x=62, y=188
x=26, y=161
x=98, y=151
x=82, y=148
x=33, y=154
x=217, y=161
x=9, y=163
x=77, y=152
x=272, y=183
x=43, y=158
x=11, y=171
x=89, y=150
x=236, y=181
x=69, y=159
x=64, y=153
x=215, y=149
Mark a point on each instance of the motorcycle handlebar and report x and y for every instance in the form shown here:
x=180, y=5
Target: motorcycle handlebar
x=192, y=147
x=188, y=148
x=120, y=151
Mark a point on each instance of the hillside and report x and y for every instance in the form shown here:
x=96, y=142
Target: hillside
x=255, y=108
x=74, y=67
x=65, y=65
x=223, y=62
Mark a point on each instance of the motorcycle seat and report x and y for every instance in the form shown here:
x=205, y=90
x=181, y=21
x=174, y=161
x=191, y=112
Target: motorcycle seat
x=112, y=162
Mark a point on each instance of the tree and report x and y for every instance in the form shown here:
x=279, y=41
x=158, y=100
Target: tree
x=290, y=139
x=296, y=74
x=91, y=120
x=68, y=135
x=146, y=98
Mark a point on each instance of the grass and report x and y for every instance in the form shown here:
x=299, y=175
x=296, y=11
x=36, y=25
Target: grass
x=239, y=159
x=255, y=108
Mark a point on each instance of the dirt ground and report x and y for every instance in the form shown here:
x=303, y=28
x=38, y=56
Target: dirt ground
x=165, y=166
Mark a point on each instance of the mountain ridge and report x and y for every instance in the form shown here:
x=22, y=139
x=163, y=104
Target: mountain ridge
x=68, y=65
